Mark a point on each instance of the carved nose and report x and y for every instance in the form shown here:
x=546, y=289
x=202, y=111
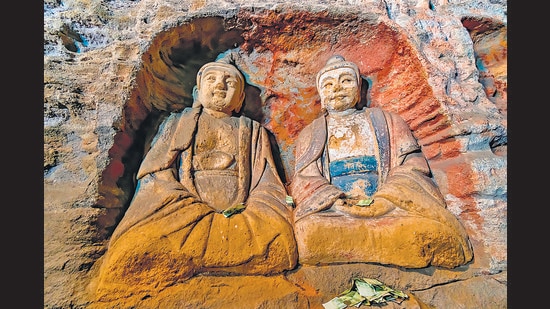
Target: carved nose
x=220, y=84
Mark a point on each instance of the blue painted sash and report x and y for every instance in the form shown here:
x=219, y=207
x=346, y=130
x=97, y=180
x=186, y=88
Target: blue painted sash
x=359, y=171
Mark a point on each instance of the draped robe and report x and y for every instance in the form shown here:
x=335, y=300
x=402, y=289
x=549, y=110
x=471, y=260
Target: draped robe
x=406, y=225
x=169, y=234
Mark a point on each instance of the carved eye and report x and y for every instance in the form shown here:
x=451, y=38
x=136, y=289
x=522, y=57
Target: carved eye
x=327, y=84
x=210, y=78
x=347, y=81
x=231, y=83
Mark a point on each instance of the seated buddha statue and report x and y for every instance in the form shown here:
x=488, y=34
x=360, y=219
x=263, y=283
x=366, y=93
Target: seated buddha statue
x=208, y=199
x=362, y=187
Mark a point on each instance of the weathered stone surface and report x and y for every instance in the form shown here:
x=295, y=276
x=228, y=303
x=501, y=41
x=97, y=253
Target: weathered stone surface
x=204, y=161
x=310, y=287
x=110, y=66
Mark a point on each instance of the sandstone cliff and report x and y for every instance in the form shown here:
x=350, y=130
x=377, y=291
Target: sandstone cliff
x=112, y=70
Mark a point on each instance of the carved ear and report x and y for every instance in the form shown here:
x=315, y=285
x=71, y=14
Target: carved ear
x=238, y=109
x=196, y=102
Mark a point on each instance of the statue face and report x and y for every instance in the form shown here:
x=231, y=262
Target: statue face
x=220, y=91
x=338, y=89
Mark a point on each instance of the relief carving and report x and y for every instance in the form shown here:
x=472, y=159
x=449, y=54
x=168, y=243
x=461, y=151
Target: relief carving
x=204, y=160
x=362, y=188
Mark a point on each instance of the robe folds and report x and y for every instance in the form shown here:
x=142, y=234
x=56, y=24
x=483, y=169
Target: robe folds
x=168, y=234
x=406, y=225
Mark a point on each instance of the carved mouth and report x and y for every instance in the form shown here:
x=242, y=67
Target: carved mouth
x=219, y=93
x=338, y=97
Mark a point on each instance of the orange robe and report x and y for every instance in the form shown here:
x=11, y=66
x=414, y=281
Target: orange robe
x=168, y=234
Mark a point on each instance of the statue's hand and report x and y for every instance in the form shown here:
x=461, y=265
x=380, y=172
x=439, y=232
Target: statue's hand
x=361, y=208
x=341, y=202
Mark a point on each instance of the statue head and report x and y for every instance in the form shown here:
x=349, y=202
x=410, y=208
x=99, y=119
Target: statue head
x=220, y=86
x=339, y=84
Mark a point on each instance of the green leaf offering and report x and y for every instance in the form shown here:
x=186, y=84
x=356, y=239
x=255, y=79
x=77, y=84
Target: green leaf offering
x=365, y=291
x=365, y=202
x=335, y=303
x=352, y=298
x=289, y=200
x=233, y=210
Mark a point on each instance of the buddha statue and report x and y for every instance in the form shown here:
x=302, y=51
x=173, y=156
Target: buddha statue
x=208, y=198
x=362, y=187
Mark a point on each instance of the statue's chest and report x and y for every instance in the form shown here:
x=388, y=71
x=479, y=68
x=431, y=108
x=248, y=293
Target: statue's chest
x=216, y=143
x=215, y=169
x=216, y=134
x=350, y=136
x=352, y=155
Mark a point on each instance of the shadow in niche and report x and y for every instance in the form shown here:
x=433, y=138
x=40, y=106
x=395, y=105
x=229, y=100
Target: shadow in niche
x=252, y=105
x=191, y=50
x=365, y=93
x=431, y=270
x=252, y=108
x=277, y=158
x=132, y=160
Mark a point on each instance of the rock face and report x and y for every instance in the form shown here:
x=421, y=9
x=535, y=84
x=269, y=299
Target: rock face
x=113, y=71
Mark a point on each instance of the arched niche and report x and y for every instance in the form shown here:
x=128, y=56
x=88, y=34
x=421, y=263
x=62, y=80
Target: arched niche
x=280, y=53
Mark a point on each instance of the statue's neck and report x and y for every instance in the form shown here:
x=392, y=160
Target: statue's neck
x=344, y=113
x=216, y=114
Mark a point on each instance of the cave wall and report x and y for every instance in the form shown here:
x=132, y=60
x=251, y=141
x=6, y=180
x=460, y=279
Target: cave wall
x=113, y=70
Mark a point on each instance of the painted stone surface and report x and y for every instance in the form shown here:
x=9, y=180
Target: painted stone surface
x=203, y=163
x=205, y=160
x=362, y=186
x=440, y=65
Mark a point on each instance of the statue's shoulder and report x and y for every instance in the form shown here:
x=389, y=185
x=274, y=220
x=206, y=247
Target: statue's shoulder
x=314, y=126
x=186, y=114
x=250, y=123
x=313, y=133
x=171, y=123
x=377, y=110
x=381, y=115
x=175, y=116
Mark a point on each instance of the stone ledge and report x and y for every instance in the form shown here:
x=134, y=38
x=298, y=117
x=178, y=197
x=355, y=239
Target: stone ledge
x=311, y=286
